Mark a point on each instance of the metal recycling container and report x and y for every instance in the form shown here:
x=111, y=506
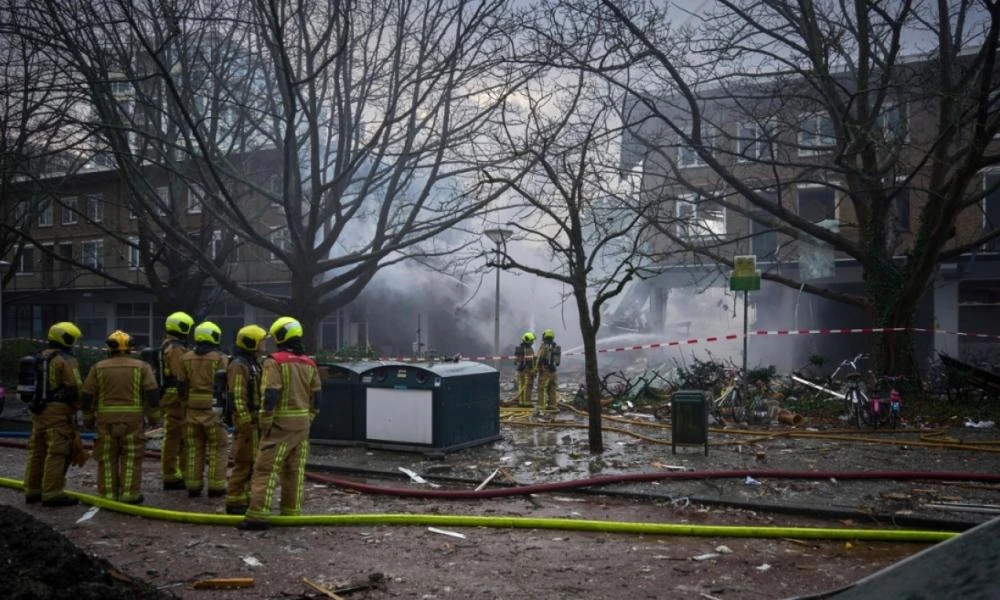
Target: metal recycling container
x=690, y=419
x=431, y=407
x=338, y=420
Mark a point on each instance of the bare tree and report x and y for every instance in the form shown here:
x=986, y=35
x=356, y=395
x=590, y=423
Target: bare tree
x=884, y=106
x=34, y=138
x=375, y=115
x=574, y=203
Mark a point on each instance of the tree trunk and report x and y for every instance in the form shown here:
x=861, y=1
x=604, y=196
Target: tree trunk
x=591, y=373
x=892, y=352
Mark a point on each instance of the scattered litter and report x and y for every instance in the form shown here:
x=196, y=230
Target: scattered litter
x=833, y=480
x=319, y=588
x=565, y=499
x=417, y=478
x=488, y=479
x=763, y=567
x=527, y=463
x=708, y=556
x=89, y=514
x=979, y=424
x=224, y=583
x=724, y=550
x=444, y=532
x=751, y=481
x=252, y=562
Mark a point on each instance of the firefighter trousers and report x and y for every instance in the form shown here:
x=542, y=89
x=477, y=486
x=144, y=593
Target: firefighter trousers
x=49, y=451
x=281, y=460
x=205, y=440
x=171, y=455
x=245, y=442
x=547, y=384
x=119, y=450
x=525, y=381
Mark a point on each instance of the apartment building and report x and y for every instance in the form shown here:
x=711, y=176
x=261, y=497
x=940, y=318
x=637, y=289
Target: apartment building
x=782, y=146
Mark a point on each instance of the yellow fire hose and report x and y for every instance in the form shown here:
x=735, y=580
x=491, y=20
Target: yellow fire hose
x=802, y=533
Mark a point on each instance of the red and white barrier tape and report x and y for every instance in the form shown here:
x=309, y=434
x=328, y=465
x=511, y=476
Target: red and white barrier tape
x=736, y=336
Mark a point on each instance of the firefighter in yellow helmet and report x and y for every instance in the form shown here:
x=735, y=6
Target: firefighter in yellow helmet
x=289, y=384
x=243, y=405
x=548, y=359
x=203, y=393
x=113, y=396
x=178, y=328
x=52, y=430
x=524, y=362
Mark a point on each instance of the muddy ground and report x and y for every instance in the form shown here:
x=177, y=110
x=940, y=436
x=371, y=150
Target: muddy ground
x=414, y=561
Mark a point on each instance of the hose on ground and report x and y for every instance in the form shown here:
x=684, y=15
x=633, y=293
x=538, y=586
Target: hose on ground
x=626, y=527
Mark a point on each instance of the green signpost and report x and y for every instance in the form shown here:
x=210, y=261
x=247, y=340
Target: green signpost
x=746, y=279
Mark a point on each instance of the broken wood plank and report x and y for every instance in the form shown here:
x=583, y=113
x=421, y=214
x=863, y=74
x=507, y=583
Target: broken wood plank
x=224, y=583
x=321, y=589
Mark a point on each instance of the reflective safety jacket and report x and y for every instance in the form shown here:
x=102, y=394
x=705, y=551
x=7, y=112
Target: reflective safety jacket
x=243, y=384
x=197, y=377
x=116, y=389
x=173, y=350
x=289, y=383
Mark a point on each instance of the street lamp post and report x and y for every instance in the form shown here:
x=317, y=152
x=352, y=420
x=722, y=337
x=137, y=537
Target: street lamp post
x=4, y=267
x=497, y=236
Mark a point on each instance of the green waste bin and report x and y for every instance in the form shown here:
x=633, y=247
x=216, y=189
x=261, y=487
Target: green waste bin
x=690, y=419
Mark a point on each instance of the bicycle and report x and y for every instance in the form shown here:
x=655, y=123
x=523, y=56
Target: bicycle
x=737, y=402
x=886, y=410
x=856, y=401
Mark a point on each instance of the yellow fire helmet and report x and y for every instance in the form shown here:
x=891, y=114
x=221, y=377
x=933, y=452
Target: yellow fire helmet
x=119, y=341
x=548, y=334
x=207, y=333
x=179, y=322
x=64, y=333
x=284, y=329
x=250, y=337
x=528, y=337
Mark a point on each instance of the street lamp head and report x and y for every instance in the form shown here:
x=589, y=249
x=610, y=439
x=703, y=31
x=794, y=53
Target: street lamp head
x=497, y=235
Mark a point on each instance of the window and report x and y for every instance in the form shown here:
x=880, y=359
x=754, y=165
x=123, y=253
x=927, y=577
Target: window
x=133, y=258
x=195, y=194
x=817, y=203
x=69, y=210
x=163, y=199
x=753, y=142
x=687, y=156
x=216, y=249
x=26, y=262
x=121, y=87
x=135, y=318
x=281, y=239
x=764, y=239
x=95, y=207
x=815, y=134
x=901, y=210
x=894, y=123
x=45, y=213
x=700, y=219
x=991, y=209
x=92, y=254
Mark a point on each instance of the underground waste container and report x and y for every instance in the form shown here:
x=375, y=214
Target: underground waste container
x=339, y=421
x=690, y=419
x=431, y=407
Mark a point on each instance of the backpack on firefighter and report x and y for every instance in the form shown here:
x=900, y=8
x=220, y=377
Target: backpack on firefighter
x=252, y=384
x=154, y=356
x=33, y=382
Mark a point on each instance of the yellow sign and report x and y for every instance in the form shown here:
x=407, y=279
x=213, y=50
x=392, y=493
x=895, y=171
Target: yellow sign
x=745, y=266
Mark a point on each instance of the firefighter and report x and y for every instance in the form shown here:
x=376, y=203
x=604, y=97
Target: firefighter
x=205, y=436
x=178, y=330
x=52, y=429
x=549, y=356
x=524, y=361
x=289, y=385
x=243, y=386
x=113, y=397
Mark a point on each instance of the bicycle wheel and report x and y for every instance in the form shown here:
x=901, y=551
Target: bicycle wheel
x=739, y=405
x=864, y=412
